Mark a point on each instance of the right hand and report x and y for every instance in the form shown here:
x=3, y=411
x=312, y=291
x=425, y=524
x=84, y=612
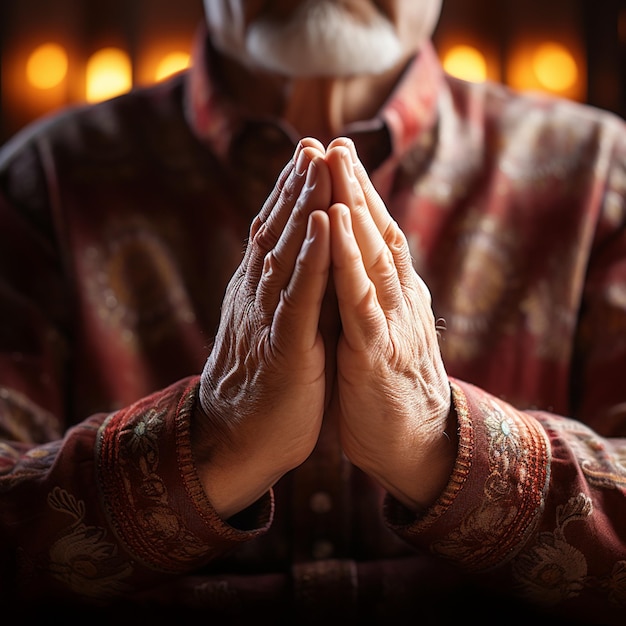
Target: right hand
x=262, y=390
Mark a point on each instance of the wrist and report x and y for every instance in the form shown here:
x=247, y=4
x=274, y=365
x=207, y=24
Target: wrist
x=230, y=477
x=418, y=480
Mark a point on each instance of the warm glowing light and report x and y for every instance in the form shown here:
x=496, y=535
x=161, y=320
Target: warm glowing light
x=109, y=74
x=554, y=67
x=466, y=62
x=47, y=66
x=172, y=63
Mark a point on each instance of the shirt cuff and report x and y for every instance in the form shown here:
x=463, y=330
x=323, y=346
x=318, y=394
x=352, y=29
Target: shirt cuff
x=497, y=490
x=150, y=488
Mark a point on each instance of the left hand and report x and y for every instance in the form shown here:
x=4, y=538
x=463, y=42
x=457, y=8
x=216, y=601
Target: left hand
x=393, y=394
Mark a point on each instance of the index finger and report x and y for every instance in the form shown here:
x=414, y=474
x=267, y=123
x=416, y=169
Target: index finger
x=268, y=226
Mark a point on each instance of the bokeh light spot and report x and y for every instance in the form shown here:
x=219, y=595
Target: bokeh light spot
x=47, y=66
x=466, y=62
x=109, y=74
x=172, y=63
x=555, y=67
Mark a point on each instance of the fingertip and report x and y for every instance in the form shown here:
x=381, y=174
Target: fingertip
x=348, y=144
x=339, y=214
x=338, y=208
x=306, y=156
x=319, y=173
x=339, y=160
x=311, y=175
x=311, y=142
x=312, y=228
x=303, y=159
x=317, y=224
x=309, y=147
x=345, y=142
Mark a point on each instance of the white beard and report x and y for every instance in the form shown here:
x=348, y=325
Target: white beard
x=323, y=39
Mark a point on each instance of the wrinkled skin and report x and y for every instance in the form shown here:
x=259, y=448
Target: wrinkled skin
x=263, y=385
x=393, y=394
x=325, y=322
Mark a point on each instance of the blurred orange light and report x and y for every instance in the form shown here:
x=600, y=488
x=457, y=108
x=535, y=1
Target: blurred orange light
x=47, y=66
x=172, y=63
x=109, y=74
x=554, y=67
x=466, y=62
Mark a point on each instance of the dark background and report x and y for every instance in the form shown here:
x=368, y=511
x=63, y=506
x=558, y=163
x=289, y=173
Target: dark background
x=594, y=30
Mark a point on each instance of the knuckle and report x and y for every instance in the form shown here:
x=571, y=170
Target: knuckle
x=301, y=210
x=265, y=237
x=423, y=289
x=290, y=190
x=366, y=308
x=383, y=263
x=256, y=225
x=394, y=237
x=353, y=258
x=276, y=263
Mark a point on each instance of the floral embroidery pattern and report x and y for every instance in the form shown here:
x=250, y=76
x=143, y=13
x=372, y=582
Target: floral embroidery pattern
x=553, y=570
x=138, y=499
x=602, y=465
x=513, y=494
x=82, y=558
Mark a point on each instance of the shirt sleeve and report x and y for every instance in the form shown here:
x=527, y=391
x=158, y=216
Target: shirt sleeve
x=537, y=501
x=535, y=504
x=107, y=505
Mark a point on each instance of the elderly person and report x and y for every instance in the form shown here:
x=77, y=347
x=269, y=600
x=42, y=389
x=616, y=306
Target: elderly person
x=407, y=389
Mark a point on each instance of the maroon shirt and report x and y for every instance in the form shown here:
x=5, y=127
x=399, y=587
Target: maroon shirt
x=120, y=226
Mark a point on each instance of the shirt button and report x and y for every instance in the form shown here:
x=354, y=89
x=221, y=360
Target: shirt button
x=322, y=549
x=321, y=502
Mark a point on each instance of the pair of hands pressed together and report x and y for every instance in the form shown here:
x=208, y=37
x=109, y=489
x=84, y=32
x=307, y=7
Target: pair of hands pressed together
x=325, y=320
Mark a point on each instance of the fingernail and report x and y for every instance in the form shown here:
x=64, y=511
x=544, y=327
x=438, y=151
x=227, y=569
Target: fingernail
x=352, y=148
x=311, y=229
x=301, y=163
x=311, y=175
x=346, y=221
x=347, y=162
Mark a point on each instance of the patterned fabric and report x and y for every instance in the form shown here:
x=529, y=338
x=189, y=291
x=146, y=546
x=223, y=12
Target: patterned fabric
x=121, y=224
